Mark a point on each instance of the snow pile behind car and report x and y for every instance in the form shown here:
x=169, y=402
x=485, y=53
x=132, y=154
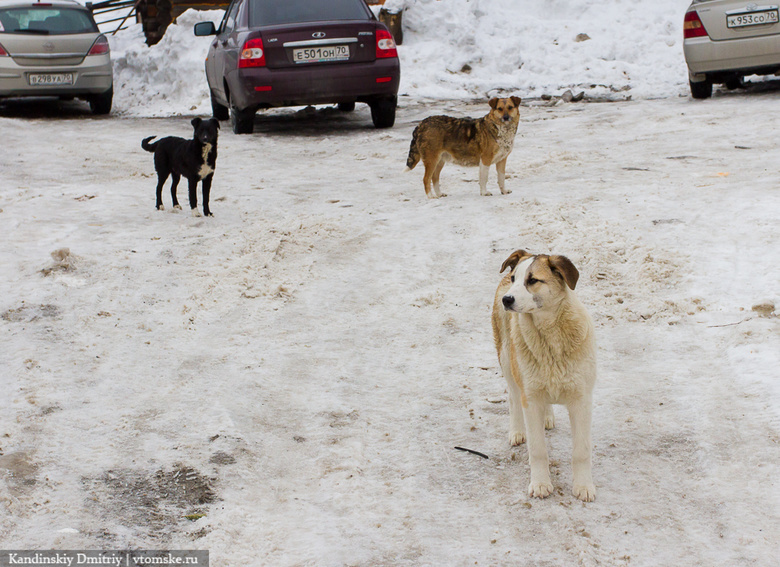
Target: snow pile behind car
x=460, y=49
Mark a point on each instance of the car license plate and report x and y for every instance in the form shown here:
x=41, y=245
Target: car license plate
x=321, y=54
x=47, y=79
x=752, y=19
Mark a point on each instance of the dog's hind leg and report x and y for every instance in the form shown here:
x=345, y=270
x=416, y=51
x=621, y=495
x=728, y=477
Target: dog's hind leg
x=427, y=177
x=161, y=178
x=501, y=171
x=435, y=178
x=193, y=186
x=206, y=184
x=175, y=177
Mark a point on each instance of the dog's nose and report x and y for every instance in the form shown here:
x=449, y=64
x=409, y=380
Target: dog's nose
x=508, y=300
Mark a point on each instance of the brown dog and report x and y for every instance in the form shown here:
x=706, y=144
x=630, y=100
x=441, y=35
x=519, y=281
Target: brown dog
x=466, y=141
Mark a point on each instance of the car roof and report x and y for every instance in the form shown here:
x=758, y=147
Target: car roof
x=46, y=3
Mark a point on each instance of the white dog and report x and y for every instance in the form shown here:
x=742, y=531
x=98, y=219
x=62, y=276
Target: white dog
x=546, y=348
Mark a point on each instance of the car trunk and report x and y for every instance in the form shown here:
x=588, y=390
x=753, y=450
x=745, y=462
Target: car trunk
x=726, y=19
x=31, y=50
x=319, y=43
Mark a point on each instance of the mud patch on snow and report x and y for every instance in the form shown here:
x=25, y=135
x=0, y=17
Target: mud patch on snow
x=152, y=504
x=30, y=313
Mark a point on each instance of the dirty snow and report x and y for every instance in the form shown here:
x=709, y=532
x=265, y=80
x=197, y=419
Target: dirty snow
x=283, y=384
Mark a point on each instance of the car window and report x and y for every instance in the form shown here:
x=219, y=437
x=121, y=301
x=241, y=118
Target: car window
x=47, y=20
x=229, y=23
x=276, y=12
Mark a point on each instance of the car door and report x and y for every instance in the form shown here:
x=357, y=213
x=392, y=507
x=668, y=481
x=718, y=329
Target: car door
x=222, y=51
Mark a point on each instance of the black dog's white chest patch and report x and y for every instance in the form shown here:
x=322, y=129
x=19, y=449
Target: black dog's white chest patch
x=206, y=169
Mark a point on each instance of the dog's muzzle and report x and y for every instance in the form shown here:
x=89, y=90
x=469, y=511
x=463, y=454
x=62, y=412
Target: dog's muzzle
x=508, y=301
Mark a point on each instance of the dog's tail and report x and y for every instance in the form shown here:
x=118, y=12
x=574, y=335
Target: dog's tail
x=147, y=146
x=414, y=151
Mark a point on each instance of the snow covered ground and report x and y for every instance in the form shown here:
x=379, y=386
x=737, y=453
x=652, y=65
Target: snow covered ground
x=283, y=384
x=299, y=367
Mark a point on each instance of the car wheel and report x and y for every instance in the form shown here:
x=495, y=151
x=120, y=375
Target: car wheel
x=346, y=106
x=101, y=103
x=242, y=121
x=219, y=111
x=702, y=89
x=383, y=112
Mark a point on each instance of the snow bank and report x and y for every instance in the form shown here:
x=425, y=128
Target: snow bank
x=459, y=49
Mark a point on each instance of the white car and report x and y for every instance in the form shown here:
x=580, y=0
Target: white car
x=54, y=48
x=726, y=40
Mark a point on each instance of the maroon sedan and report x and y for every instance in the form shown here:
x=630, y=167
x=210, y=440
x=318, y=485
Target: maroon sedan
x=270, y=53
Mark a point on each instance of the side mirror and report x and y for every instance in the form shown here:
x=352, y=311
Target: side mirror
x=205, y=28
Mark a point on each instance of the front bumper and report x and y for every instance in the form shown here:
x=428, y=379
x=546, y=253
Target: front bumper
x=706, y=56
x=262, y=87
x=92, y=76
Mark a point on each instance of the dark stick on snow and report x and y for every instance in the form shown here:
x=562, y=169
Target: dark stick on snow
x=483, y=455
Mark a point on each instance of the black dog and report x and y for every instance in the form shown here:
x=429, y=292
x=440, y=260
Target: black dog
x=195, y=159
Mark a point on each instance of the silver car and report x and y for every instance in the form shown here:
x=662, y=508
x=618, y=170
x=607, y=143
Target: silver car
x=54, y=48
x=726, y=40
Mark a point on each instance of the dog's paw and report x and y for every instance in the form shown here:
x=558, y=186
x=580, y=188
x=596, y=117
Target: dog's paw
x=487, y=194
x=196, y=213
x=506, y=191
x=586, y=493
x=540, y=489
x=177, y=207
x=516, y=438
x=160, y=207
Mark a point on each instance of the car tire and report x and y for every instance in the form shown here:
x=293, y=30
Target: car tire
x=383, y=112
x=242, y=121
x=346, y=106
x=101, y=103
x=219, y=111
x=701, y=89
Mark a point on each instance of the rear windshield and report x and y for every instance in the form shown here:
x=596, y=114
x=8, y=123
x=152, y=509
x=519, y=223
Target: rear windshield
x=47, y=20
x=277, y=12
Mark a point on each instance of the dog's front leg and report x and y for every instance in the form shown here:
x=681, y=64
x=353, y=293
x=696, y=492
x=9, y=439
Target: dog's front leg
x=580, y=417
x=483, y=177
x=540, y=486
x=193, y=186
x=516, y=421
x=206, y=192
x=501, y=171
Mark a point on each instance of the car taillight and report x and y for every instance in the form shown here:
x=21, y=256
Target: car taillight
x=692, y=26
x=100, y=47
x=3, y=52
x=385, y=45
x=252, y=55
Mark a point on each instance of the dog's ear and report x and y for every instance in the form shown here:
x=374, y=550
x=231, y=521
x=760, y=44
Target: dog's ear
x=516, y=100
x=563, y=266
x=196, y=121
x=514, y=259
x=493, y=102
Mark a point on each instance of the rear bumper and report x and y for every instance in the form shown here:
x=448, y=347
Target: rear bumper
x=296, y=86
x=750, y=54
x=92, y=76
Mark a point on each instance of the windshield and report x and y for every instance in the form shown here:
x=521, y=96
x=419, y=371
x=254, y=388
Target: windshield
x=47, y=20
x=276, y=12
